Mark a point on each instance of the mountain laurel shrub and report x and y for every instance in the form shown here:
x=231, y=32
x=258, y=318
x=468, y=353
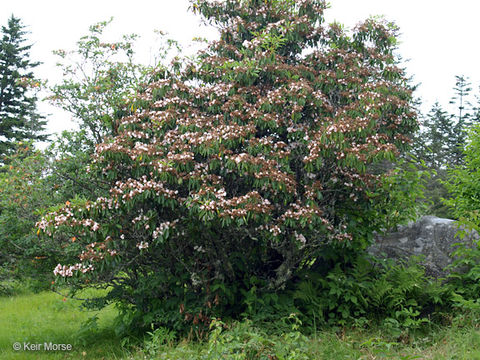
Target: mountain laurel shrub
x=241, y=166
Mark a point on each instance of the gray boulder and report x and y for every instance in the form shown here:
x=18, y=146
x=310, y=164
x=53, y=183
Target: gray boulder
x=430, y=237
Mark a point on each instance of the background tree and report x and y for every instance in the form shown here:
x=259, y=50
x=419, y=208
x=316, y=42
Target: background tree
x=439, y=137
x=434, y=146
x=99, y=80
x=440, y=145
x=460, y=99
x=243, y=166
x=19, y=118
x=476, y=109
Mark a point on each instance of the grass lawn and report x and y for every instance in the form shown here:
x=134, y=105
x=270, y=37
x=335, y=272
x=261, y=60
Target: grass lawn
x=46, y=317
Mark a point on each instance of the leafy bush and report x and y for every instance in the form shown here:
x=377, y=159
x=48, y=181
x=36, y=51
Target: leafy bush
x=238, y=169
x=464, y=186
x=33, y=183
x=400, y=197
x=464, y=182
x=23, y=186
x=399, y=296
x=464, y=271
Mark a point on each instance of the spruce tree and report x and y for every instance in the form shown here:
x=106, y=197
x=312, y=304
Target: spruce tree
x=439, y=137
x=436, y=146
x=460, y=99
x=19, y=118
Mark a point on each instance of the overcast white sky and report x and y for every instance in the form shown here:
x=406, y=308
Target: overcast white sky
x=440, y=38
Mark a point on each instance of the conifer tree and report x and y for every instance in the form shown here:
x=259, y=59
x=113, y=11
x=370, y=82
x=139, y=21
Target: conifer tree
x=19, y=118
x=438, y=138
x=460, y=99
x=436, y=145
x=441, y=142
x=476, y=110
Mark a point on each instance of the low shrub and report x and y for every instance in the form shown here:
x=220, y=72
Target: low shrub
x=370, y=291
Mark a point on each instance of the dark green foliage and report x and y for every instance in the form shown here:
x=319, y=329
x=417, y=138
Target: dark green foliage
x=465, y=276
x=436, y=146
x=437, y=138
x=25, y=191
x=463, y=184
x=370, y=291
x=69, y=158
x=400, y=197
x=463, y=181
x=19, y=118
x=30, y=184
x=362, y=291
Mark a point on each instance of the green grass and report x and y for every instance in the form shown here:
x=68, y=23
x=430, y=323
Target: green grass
x=46, y=317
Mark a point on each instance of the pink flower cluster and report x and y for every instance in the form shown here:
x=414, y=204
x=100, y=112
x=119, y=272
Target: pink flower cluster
x=132, y=187
x=142, y=245
x=160, y=230
x=65, y=217
x=67, y=271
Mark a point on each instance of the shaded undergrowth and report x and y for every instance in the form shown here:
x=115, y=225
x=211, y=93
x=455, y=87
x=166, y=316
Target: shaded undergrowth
x=48, y=317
